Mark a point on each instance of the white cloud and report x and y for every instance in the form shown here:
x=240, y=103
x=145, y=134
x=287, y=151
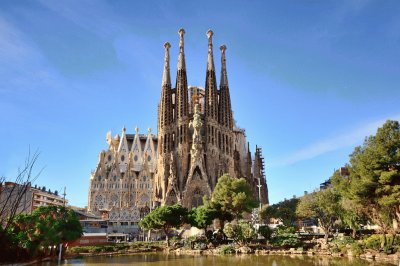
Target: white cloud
x=347, y=139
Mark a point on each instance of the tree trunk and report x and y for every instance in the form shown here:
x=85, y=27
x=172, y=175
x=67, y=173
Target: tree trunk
x=166, y=237
x=384, y=240
x=221, y=223
x=353, y=233
x=326, y=236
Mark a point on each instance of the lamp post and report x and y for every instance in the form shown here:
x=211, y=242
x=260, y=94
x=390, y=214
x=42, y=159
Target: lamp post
x=259, y=191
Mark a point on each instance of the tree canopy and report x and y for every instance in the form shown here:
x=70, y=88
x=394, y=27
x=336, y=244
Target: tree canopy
x=165, y=218
x=233, y=196
x=285, y=211
x=46, y=226
x=202, y=216
x=373, y=184
x=323, y=205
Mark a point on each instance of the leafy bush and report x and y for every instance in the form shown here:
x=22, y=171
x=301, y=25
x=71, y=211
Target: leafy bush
x=340, y=244
x=357, y=249
x=226, y=249
x=284, y=236
x=390, y=249
x=282, y=229
x=79, y=249
x=265, y=231
x=393, y=240
x=241, y=232
x=286, y=240
x=373, y=242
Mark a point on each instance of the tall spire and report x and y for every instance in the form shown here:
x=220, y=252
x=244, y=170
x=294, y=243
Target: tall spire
x=165, y=107
x=210, y=59
x=181, y=58
x=224, y=74
x=181, y=81
x=166, y=80
x=225, y=110
x=211, y=97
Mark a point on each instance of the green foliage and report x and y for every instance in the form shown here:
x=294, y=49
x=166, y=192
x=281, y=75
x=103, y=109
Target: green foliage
x=226, y=249
x=323, y=205
x=284, y=236
x=389, y=249
x=100, y=248
x=375, y=174
x=232, y=196
x=283, y=229
x=373, y=242
x=165, y=218
x=286, y=240
x=47, y=226
x=357, y=249
x=241, y=232
x=340, y=244
x=346, y=240
x=201, y=217
x=265, y=231
x=285, y=211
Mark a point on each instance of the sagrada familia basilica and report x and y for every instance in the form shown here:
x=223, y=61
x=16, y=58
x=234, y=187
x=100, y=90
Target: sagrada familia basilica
x=197, y=142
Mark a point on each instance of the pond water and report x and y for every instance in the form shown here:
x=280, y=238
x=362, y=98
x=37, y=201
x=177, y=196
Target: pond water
x=160, y=259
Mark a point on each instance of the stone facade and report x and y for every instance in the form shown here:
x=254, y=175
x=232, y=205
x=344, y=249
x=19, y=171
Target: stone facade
x=197, y=142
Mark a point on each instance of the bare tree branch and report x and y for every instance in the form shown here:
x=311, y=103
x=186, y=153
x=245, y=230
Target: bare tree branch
x=13, y=198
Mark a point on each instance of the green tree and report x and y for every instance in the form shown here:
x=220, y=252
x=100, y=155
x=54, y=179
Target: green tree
x=233, y=196
x=324, y=206
x=202, y=216
x=46, y=226
x=285, y=211
x=265, y=231
x=241, y=232
x=352, y=214
x=165, y=218
x=374, y=180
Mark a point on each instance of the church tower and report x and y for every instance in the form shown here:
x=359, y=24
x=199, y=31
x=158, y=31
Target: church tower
x=213, y=135
x=165, y=129
x=199, y=144
x=182, y=113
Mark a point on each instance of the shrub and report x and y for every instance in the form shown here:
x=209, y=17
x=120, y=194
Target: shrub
x=241, y=232
x=79, y=249
x=357, y=249
x=283, y=229
x=265, y=231
x=393, y=240
x=226, y=249
x=286, y=240
x=390, y=249
x=373, y=242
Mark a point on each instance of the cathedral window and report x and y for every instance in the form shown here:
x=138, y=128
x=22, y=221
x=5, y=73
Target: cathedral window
x=122, y=158
x=115, y=178
x=109, y=157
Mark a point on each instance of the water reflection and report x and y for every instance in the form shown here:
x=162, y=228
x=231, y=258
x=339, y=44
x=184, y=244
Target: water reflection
x=158, y=259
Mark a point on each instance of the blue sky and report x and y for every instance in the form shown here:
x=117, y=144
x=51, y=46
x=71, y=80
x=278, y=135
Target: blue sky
x=308, y=79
